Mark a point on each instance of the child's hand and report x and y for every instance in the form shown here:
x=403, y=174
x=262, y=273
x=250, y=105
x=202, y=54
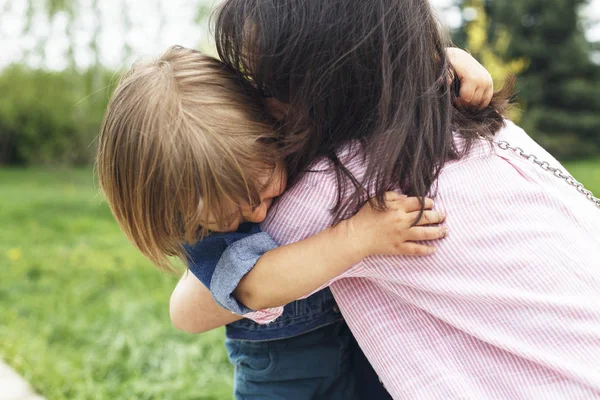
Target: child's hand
x=476, y=84
x=391, y=232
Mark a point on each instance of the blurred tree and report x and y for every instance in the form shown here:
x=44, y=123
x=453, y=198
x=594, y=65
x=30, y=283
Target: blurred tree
x=52, y=117
x=559, y=88
x=490, y=50
x=49, y=117
x=43, y=119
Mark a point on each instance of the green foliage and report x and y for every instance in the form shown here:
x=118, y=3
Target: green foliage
x=491, y=51
x=49, y=117
x=84, y=316
x=52, y=117
x=559, y=89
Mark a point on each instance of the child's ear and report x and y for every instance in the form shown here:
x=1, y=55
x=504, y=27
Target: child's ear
x=276, y=108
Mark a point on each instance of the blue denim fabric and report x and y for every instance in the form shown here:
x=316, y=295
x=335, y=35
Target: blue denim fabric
x=368, y=385
x=204, y=256
x=236, y=261
x=298, y=317
x=308, y=353
x=323, y=364
x=221, y=260
x=316, y=365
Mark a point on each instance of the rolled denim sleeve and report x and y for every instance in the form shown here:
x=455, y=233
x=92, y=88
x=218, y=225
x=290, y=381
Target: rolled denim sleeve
x=237, y=260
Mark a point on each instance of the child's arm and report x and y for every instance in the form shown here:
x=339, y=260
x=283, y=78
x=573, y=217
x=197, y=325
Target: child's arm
x=476, y=84
x=193, y=309
x=292, y=271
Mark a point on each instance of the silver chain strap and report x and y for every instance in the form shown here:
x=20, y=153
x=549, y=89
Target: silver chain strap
x=546, y=167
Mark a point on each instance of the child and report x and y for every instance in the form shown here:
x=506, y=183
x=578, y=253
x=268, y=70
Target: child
x=189, y=163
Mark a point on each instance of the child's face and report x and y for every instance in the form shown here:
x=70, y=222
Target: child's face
x=276, y=183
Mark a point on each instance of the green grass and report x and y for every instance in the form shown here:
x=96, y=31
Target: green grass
x=588, y=173
x=83, y=316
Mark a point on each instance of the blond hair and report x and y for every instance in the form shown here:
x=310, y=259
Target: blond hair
x=181, y=137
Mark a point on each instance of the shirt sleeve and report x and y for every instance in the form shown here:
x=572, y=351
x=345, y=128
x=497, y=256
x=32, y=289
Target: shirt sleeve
x=203, y=257
x=265, y=316
x=236, y=261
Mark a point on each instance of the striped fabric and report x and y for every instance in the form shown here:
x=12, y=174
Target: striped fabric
x=508, y=308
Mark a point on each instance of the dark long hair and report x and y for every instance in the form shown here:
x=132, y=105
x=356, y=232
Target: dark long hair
x=354, y=71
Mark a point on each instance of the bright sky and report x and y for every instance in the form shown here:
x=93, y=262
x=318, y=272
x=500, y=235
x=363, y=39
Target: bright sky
x=146, y=37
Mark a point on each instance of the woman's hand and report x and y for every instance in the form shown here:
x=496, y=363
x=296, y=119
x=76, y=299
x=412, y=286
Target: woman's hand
x=476, y=84
x=391, y=231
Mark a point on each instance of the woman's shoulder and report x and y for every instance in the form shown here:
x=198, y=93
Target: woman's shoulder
x=511, y=172
x=306, y=207
x=510, y=137
x=303, y=210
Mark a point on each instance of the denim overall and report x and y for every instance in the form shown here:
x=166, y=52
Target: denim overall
x=307, y=353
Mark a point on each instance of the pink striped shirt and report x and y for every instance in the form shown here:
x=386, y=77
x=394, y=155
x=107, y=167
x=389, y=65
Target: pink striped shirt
x=508, y=308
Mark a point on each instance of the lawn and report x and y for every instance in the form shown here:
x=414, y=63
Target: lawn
x=83, y=315
x=588, y=173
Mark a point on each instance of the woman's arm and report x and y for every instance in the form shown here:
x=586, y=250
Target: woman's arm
x=290, y=272
x=193, y=309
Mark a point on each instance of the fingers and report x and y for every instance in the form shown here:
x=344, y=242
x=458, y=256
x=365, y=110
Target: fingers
x=467, y=93
x=477, y=86
x=477, y=98
x=393, y=196
x=477, y=92
x=428, y=217
x=419, y=233
x=411, y=204
x=487, y=97
x=484, y=93
x=415, y=249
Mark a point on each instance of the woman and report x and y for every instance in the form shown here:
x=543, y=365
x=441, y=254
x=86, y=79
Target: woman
x=506, y=308
x=311, y=328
